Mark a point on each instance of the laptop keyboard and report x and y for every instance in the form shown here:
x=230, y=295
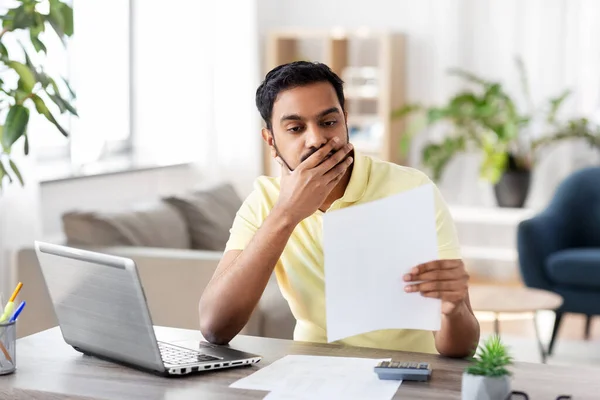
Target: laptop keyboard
x=176, y=355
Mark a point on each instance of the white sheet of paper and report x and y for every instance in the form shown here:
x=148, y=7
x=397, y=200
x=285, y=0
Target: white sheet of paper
x=296, y=377
x=368, y=248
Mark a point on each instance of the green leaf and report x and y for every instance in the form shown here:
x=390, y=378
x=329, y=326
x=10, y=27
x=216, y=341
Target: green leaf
x=405, y=110
x=20, y=96
x=15, y=125
x=4, y=172
x=18, y=18
x=26, y=145
x=62, y=104
x=56, y=19
x=16, y=171
x=436, y=114
x=69, y=88
x=468, y=76
x=405, y=144
x=555, y=104
x=437, y=155
x=67, y=14
x=493, y=359
x=3, y=51
x=37, y=44
x=26, y=77
x=41, y=108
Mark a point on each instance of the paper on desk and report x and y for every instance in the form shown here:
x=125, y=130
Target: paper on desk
x=299, y=377
x=368, y=248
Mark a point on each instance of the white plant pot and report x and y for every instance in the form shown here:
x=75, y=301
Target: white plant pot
x=475, y=387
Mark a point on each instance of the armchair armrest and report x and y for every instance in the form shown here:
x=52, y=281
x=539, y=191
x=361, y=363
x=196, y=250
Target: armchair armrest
x=538, y=238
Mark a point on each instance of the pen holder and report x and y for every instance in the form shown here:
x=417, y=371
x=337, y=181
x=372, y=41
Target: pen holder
x=8, y=347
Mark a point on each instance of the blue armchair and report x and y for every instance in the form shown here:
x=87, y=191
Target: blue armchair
x=559, y=249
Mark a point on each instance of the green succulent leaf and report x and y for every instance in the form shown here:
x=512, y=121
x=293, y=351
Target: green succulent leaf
x=493, y=359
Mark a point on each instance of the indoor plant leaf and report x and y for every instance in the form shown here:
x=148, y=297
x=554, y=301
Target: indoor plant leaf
x=67, y=14
x=14, y=125
x=26, y=77
x=41, y=108
x=16, y=171
x=4, y=172
x=468, y=76
x=555, y=104
x=18, y=18
x=37, y=43
x=62, y=104
x=3, y=51
x=26, y=145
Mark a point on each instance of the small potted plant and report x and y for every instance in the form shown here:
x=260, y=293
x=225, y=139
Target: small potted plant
x=488, y=377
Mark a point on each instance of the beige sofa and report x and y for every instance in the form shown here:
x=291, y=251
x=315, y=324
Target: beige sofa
x=176, y=242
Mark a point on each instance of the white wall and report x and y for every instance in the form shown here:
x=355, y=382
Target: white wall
x=557, y=39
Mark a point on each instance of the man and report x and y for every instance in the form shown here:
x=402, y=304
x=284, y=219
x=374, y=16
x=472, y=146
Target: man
x=279, y=226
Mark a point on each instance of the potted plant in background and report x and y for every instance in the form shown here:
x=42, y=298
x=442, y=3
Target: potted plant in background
x=485, y=117
x=24, y=86
x=488, y=377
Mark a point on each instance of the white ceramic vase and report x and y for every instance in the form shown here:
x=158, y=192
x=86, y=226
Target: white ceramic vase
x=475, y=387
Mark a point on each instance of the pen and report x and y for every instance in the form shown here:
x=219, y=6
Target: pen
x=10, y=306
x=17, y=312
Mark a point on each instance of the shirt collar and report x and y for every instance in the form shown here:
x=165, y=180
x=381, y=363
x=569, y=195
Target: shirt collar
x=357, y=185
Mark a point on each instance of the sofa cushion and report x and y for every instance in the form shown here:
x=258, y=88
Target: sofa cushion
x=209, y=214
x=575, y=267
x=156, y=224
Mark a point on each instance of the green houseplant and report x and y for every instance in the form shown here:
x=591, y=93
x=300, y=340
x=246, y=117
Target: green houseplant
x=488, y=377
x=25, y=86
x=485, y=117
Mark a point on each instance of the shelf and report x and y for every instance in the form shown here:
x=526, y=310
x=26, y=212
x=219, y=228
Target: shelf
x=358, y=94
x=375, y=89
x=363, y=119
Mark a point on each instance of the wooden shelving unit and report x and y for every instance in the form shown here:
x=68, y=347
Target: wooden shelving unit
x=372, y=64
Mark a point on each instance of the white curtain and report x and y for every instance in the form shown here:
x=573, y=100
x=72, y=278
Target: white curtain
x=194, y=86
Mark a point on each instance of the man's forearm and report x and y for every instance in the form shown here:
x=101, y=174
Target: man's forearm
x=236, y=288
x=459, y=333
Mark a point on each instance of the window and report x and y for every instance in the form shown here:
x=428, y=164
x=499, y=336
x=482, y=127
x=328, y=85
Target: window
x=96, y=61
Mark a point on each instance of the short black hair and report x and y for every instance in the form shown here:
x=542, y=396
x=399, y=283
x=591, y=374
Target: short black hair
x=294, y=74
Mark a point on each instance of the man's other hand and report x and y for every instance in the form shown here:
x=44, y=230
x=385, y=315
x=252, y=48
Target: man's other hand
x=441, y=279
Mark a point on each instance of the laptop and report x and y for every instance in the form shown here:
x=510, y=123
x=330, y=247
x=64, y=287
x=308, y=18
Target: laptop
x=101, y=308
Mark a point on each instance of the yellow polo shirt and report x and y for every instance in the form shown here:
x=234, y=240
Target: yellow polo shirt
x=299, y=271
